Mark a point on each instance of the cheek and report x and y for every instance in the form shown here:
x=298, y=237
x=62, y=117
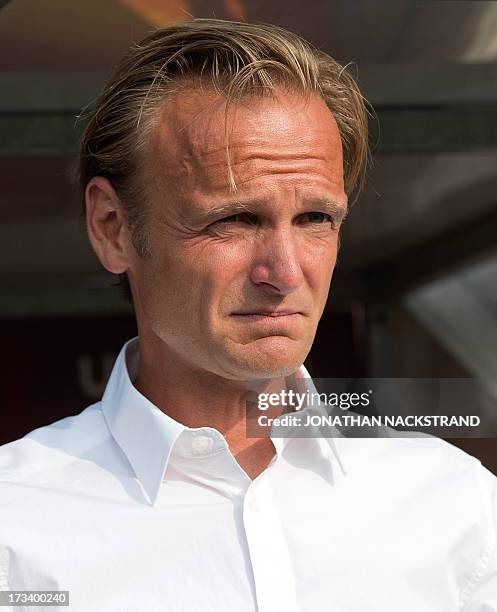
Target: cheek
x=197, y=282
x=319, y=262
x=163, y=286
x=224, y=281
x=157, y=296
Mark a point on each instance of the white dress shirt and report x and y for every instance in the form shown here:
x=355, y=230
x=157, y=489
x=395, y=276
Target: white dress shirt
x=129, y=510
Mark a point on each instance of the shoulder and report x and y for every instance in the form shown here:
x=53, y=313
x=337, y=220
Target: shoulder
x=53, y=445
x=452, y=462
x=405, y=445
x=424, y=466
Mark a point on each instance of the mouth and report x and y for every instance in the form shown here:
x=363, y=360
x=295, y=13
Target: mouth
x=267, y=314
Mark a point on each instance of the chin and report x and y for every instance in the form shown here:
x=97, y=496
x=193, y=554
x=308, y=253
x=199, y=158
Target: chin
x=271, y=357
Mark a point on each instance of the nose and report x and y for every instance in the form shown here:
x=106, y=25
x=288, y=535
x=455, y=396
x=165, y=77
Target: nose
x=277, y=266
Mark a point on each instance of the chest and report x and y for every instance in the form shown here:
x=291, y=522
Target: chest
x=258, y=554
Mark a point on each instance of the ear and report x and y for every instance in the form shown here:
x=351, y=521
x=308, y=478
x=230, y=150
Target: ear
x=106, y=225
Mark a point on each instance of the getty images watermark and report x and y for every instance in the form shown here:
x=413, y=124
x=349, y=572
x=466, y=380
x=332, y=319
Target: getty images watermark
x=373, y=408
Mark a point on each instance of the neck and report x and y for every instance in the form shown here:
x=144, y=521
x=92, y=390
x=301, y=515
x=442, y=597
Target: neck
x=198, y=398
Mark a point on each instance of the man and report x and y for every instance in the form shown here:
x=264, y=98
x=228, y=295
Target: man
x=216, y=170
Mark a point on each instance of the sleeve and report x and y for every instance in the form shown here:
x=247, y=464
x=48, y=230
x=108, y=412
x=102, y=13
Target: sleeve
x=480, y=593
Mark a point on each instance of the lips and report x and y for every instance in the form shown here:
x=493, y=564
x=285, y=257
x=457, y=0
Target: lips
x=260, y=314
x=267, y=313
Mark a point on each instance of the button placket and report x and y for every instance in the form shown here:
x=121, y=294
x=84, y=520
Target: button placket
x=271, y=563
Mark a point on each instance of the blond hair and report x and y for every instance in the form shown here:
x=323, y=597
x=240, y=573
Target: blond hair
x=237, y=59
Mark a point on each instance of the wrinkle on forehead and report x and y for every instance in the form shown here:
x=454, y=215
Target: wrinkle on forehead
x=189, y=140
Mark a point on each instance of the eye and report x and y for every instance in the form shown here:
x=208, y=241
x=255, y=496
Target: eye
x=318, y=218
x=238, y=217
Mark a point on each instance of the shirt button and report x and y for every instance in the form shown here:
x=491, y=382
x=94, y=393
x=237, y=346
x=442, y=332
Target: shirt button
x=254, y=504
x=202, y=445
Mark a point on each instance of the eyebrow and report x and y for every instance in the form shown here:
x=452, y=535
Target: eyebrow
x=337, y=210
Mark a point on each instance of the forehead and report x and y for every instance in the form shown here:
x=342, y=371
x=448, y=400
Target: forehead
x=188, y=142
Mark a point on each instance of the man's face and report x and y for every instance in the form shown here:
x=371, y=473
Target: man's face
x=236, y=283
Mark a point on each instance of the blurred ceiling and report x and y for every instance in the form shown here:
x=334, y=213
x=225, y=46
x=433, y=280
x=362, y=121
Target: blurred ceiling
x=429, y=68
x=92, y=35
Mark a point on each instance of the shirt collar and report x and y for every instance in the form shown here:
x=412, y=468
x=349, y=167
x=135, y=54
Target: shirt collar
x=147, y=435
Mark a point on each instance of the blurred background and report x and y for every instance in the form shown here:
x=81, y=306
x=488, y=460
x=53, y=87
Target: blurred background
x=415, y=290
